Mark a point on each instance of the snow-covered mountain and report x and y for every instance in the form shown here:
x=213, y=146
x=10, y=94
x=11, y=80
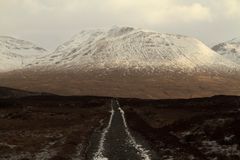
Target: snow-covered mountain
x=230, y=50
x=15, y=53
x=129, y=62
x=129, y=48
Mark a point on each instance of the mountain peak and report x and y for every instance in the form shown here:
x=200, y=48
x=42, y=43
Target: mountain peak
x=13, y=45
x=118, y=31
x=230, y=50
x=16, y=53
x=235, y=40
x=130, y=48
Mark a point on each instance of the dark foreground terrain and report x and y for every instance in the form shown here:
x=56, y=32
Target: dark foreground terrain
x=202, y=129
x=50, y=127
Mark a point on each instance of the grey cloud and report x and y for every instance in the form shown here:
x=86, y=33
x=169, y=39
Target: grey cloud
x=51, y=22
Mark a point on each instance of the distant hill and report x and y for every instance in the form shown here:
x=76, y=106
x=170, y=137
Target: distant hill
x=230, y=50
x=131, y=63
x=16, y=53
x=14, y=93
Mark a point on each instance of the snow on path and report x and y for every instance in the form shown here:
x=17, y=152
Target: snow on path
x=138, y=147
x=99, y=154
x=131, y=140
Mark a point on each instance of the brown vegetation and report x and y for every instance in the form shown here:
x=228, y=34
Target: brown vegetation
x=48, y=127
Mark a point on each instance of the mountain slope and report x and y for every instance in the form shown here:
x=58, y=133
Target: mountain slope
x=230, y=50
x=15, y=53
x=128, y=62
x=129, y=48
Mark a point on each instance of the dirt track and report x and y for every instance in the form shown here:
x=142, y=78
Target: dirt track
x=116, y=142
x=61, y=128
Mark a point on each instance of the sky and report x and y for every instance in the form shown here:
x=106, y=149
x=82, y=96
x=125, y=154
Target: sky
x=49, y=23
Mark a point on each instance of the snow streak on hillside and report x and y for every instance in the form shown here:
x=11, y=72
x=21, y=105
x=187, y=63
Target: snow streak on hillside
x=129, y=48
x=117, y=48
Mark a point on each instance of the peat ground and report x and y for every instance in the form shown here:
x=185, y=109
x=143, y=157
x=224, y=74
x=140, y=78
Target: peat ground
x=201, y=129
x=59, y=128
x=49, y=127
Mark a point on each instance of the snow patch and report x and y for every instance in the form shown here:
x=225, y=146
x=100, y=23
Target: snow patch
x=138, y=147
x=46, y=152
x=8, y=145
x=214, y=147
x=99, y=154
x=78, y=153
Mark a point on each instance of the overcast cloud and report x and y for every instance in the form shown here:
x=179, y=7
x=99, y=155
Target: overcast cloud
x=51, y=22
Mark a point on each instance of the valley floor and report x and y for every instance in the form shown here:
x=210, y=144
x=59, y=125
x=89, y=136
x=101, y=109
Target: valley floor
x=197, y=129
x=63, y=128
x=48, y=128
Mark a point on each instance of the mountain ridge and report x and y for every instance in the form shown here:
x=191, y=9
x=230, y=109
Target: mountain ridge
x=130, y=63
x=229, y=49
x=16, y=53
x=133, y=48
